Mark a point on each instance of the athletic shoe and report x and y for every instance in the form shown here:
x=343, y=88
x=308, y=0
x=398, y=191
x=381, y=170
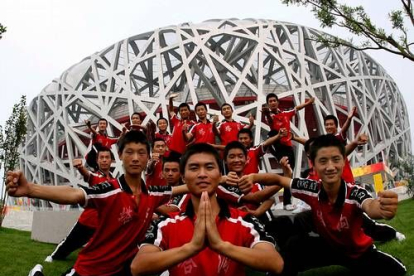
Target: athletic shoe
x=49, y=259
x=399, y=236
x=37, y=270
x=289, y=207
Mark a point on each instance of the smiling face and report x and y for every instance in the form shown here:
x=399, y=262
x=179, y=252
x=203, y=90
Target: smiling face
x=330, y=127
x=245, y=139
x=134, y=158
x=329, y=164
x=184, y=112
x=162, y=125
x=136, y=119
x=202, y=173
x=236, y=160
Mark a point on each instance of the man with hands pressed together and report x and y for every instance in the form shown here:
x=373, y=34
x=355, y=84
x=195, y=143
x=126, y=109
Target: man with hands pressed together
x=213, y=239
x=337, y=210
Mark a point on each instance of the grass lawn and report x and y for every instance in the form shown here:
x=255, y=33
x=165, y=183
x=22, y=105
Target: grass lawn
x=18, y=253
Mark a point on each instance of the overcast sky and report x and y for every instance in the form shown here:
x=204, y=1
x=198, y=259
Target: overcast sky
x=46, y=37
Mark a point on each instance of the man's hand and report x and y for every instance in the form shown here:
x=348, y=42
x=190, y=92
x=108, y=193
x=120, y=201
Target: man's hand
x=17, y=185
x=213, y=235
x=311, y=100
x=362, y=139
x=265, y=110
x=388, y=201
x=173, y=95
x=246, y=183
x=199, y=235
x=88, y=123
x=155, y=157
x=77, y=163
x=215, y=119
x=251, y=118
x=232, y=179
x=352, y=113
x=284, y=163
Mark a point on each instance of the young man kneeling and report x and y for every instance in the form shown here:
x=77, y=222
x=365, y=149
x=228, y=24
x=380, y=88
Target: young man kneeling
x=209, y=238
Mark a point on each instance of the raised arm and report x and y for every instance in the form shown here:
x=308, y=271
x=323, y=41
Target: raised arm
x=18, y=186
x=261, y=195
x=266, y=113
x=345, y=126
x=251, y=121
x=300, y=140
x=77, y=163
x=271, y=140
x=362, y=139
x=88, y=124
x=308, y=102
x=171, y=104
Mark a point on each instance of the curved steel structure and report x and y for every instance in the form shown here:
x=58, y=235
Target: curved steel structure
x=217, y=61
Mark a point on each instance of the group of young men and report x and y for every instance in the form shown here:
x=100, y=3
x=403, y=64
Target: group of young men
x=193, y=217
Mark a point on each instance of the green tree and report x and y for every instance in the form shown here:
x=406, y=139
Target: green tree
x=3, y=29
x=10, y=139
x=330, y=13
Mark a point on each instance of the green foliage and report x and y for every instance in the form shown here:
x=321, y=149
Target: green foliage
x=330, y=13
x=10, y=139
x=3, y=29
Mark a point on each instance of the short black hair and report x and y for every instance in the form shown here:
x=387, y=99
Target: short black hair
x=103, y=149
x=324, y=141
x=198, y=148
x=234, y=145
x=133, y=136
x=182, y=105
x=162, y=118
x=103, y=119
x=246, y=130
x=331, y=117
x=226, y=104
x=200, y=104
x=170, y=159
x=308, y=144
x=271, y=95
x=157, y=139
x=136, y=113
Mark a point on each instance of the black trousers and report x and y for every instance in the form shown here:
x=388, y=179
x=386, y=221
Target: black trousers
x=278, y=150
x=303, y=252
x=77, y=237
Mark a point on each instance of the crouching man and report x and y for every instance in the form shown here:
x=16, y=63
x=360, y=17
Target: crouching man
x=337, y=210
x=209, y=237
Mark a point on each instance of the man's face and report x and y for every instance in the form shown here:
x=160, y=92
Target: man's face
x=102, y=125
x=135, y=119
x=134, y=158
x=227, y=111
x=162, y=125
x=236, y=160
x=329, y=164
x=159, y=147
x=104, y=160
x=245, y=139
x=201, y=112
x=171, y=173
x=202, y=173
x=273, y=103
x=330, y=127
x=184, y=113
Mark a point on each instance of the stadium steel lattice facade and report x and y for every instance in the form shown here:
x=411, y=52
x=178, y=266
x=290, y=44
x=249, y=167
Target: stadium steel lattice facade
x=217, y=61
